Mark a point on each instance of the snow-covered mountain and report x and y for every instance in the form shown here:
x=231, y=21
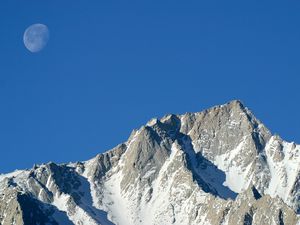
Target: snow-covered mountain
x=219, y=166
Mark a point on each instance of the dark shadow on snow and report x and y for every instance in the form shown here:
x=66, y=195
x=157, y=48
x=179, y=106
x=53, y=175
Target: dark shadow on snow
x=208, y=176
x=38, y=212
x=86, y=203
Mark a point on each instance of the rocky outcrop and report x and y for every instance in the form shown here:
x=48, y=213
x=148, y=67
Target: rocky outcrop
x=219, y=166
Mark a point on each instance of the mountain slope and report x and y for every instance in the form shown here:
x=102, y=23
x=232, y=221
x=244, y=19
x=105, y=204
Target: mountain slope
x=219, y=166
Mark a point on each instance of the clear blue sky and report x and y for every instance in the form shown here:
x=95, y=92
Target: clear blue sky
x=110, y=66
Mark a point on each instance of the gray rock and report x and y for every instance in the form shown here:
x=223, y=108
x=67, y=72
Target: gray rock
x=219, y=166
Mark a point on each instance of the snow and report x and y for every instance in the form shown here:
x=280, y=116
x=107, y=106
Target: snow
x=174, y=194
x=16, y=173
x=152, y=122
x=19, y=177
x=237, y=177
x=117, y=204
x=283, y=173
x=160, y=191
x=113, y=202
x=167, y=198
x=149, y=173
x=60, y=201
x=78, y=215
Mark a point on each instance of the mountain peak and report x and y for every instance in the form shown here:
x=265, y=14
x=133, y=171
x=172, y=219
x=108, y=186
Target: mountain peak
x=235, y=103
x=221, y=165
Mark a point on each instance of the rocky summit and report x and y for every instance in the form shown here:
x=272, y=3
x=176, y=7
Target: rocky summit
x=219, y=166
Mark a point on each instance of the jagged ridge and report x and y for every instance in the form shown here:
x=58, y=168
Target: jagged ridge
x=219, y=166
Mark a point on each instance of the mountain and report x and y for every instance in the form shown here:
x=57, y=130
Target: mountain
x=219, y=166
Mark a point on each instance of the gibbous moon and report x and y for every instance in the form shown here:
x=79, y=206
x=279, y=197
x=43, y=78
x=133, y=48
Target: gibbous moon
x=36, y=37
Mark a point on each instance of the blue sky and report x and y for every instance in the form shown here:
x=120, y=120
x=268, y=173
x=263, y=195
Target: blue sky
x=110, y=66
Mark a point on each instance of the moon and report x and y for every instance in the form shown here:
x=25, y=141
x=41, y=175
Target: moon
x=36, y=37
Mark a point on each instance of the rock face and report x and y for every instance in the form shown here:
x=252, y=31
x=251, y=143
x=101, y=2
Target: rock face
x=219, y=166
